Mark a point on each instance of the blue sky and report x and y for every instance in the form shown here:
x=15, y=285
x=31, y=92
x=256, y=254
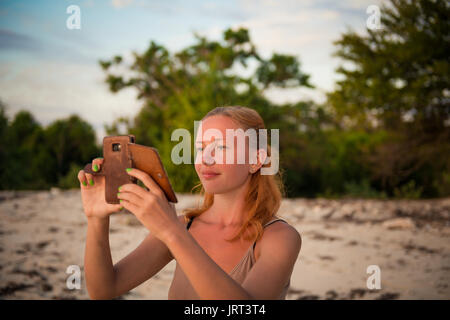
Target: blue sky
x=53, y=71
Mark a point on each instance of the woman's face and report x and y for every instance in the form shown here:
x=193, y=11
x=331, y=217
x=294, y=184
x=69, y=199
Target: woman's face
x=226, y=176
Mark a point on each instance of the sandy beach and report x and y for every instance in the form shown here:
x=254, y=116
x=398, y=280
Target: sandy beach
x=42, y=233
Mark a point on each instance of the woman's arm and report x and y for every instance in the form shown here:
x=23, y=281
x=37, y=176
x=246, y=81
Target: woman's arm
x=105, y=281
x=280, y=246
x=98, y=267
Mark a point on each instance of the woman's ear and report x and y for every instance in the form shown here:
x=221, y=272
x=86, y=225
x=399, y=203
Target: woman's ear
x=262, y=156
x=261, y=159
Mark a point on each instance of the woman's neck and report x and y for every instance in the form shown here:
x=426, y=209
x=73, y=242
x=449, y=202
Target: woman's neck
x=228, y=208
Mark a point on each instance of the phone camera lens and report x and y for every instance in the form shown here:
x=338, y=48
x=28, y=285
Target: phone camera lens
x=116, y=147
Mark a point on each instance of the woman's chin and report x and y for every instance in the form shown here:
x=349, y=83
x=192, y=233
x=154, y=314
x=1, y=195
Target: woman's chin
x=213, y=188
x=220, y=186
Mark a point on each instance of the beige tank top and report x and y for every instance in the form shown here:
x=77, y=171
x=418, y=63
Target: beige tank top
x=182, y=289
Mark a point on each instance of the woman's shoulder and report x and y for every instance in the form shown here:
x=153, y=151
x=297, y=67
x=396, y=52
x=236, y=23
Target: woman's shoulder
x=279, y=233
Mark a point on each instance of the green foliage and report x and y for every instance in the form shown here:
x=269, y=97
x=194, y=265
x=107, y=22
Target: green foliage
x=362, y=189
x=393, y=80
x=409, y=191
x=354, y=189
x=326, y=161
x=393, y=71
x=442, y=184
x=283, y=71
x=70, y=180
x=69, y=140
x=5, y=149
x=23, y=156
x=32, y=157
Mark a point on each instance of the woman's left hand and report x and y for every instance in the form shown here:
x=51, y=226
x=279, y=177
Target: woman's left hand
x=150, y=207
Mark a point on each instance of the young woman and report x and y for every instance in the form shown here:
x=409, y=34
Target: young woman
x=232, y=247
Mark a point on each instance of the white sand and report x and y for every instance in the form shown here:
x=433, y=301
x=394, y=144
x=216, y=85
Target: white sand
x=42, y=233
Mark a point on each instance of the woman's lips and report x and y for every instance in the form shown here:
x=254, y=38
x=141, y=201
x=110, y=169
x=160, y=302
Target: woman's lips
x=210, y=175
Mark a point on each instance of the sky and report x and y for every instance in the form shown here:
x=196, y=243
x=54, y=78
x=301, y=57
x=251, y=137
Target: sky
x=53, y=71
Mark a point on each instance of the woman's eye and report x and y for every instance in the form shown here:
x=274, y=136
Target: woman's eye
x=200, y=148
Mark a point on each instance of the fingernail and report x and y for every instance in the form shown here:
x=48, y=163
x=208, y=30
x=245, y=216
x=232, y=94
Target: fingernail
x=128, y=169
x=120, y=201
x=84, y=183
x=120, y=208
x=91, y=182
x=120, y=188
x=118, y=194
x=95, y=167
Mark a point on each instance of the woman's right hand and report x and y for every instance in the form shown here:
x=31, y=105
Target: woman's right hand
x=93, y=193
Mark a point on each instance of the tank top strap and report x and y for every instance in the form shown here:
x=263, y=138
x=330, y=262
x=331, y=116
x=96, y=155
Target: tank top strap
x=189, y=223
x=272, y=221
x=268, y=223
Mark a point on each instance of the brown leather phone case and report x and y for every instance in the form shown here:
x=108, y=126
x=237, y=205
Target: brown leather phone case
x=119, y=153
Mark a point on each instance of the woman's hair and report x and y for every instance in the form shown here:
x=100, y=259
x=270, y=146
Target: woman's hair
x=263, y=197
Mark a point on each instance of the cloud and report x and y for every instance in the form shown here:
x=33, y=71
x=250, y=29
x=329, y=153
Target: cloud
x=305, y=29
x=121, y=3
x=43, y=49
x=10, y=40
x=358, y=4
x=88, y=3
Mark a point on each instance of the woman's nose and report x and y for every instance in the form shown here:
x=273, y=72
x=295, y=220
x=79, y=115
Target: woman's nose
x=208, y=155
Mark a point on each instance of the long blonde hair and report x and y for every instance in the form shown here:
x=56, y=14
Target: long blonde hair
x=265, y=192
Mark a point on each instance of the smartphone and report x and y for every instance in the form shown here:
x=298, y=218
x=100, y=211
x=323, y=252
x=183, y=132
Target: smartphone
x=117, y=158
x=120, y=153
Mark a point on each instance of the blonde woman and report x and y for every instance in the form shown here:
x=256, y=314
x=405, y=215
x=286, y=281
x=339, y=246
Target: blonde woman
x=231, y=247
